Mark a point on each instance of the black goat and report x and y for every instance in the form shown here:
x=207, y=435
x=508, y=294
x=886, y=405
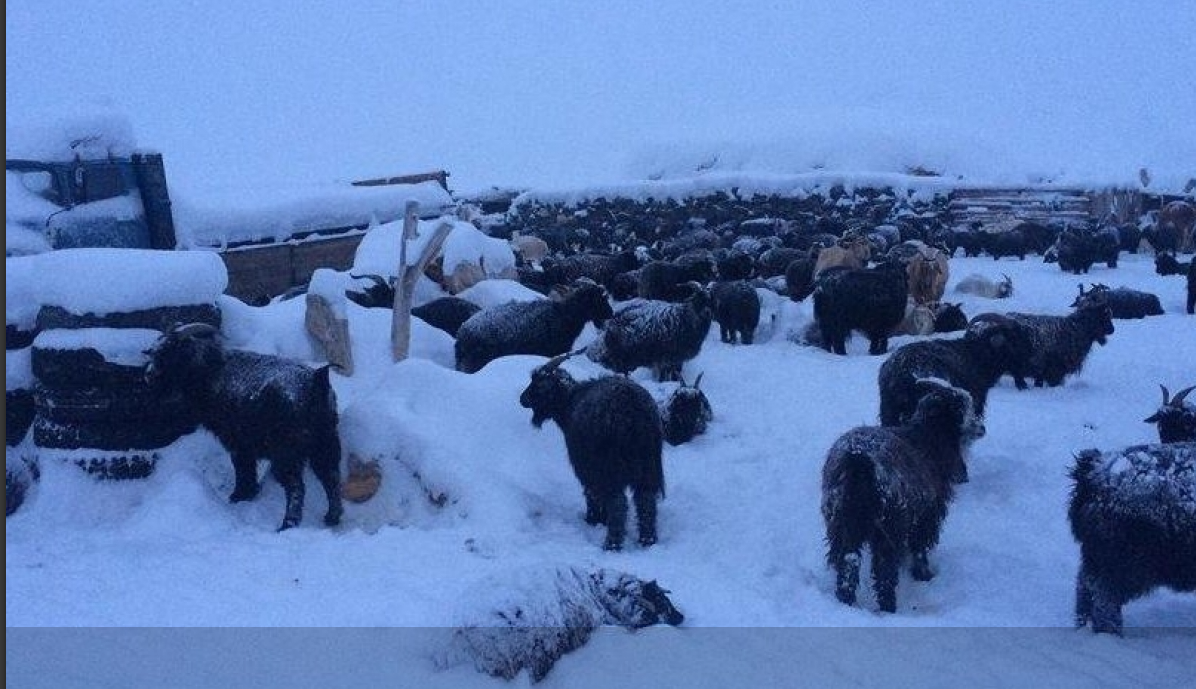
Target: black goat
x=872, y=300
x=259, y=407
x=1132, y=512
x=665, y=280
x=380, y=294
x=889, y=487
x=737, y=310
x=601, y=268
x=659, y=334
x=948, y=318
x=1166, y=264
x=685, y=413
x=446, y=313
x=1176, y=419
x=1124, y=303
x=799, y=278
x=543, y=327
x=991, y=347
x=614, y=437
x=1062, y=343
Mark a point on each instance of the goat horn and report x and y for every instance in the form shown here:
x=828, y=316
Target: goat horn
x=698, y=381
x=193, y=330
x=1007, y=278
x=1166, y=395
x=1178, y=401
x=371, y=276
x=559, y=359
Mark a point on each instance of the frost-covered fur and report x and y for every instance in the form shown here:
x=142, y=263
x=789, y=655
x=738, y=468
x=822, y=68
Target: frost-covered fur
x=665, y=280
x=737, y=310
x=1062, y=343
x=686, y=413
x=446, y=313
x=654, y=333
x=1123, y=302
x=889, y=487
x=988, y=350
x=601, y=268
x=543, y=327
x=1176, y=418
x=259, y=407
x=552, y=614
x=988, y=288
x=871, y=300
x=613, y=434
x=1133, y=512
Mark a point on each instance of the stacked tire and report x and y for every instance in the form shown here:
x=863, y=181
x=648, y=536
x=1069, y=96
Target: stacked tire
x=92, y=396
x=20, y=471
x=92, y=404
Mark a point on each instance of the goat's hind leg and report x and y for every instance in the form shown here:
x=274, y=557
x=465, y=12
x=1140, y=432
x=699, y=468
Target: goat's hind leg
x=616, y=520
x=328, y=472
x=645, y=516
x=847, y=575
x=885, y=570
x=290, y=476
x=245, y=472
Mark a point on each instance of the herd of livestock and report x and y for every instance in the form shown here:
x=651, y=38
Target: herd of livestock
x=886, y=487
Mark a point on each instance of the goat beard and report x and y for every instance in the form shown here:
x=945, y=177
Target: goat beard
x=538, y=418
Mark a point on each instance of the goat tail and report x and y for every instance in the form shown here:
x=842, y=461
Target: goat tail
x=857, y=513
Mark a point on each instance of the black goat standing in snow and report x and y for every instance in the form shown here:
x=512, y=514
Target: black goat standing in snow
x=889, y=487
x=869, y=299
x=1133, y=512
x=737, y=310
x=613, y=434
x=1062, y=343
x=543, y=327
x=259, y=407
x=990, y=348
x=1176, y=419
x=659, y=334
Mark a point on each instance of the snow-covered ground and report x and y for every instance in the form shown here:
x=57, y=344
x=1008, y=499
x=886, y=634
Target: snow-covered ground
x=472, y=493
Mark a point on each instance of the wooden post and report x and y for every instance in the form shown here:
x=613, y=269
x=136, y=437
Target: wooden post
x=400, y=329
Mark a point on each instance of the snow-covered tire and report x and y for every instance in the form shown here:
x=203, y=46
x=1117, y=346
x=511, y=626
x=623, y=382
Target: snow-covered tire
x=134, y=404
x=15, y=338
x=18, y=415
x=82, y=369
x=134, y=434
x=162, y=318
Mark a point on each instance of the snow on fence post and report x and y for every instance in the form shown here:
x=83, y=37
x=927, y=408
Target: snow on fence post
x=400, y=329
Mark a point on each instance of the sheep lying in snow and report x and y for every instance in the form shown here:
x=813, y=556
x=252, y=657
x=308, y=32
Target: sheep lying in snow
x=550, y=614
x=982, y=286
x=685, y=413
x=1133, y=512
x=889, y=487
x=259, y=407
x=613, y=434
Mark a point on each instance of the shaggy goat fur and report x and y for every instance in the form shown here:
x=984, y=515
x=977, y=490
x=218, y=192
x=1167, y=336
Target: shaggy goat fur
x=872, y=300
x=1062, y=343
x=1133, y=512
x=889, y=487
x=446, y=313
x=1124, y=303
x=614, y=438
x=659, y=334
x=988, y=288
x=975, y=362
x=259, y=407
x=1176, y=418
x=543, y=327
x=737, y=310
x=552, y=614
x=685, y=413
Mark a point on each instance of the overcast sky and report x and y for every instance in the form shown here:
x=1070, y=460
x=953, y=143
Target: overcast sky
x=560, y=93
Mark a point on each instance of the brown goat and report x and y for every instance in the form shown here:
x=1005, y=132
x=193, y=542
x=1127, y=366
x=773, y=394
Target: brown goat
x=851, y=252
x=1182, y=215
x=928, y=273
